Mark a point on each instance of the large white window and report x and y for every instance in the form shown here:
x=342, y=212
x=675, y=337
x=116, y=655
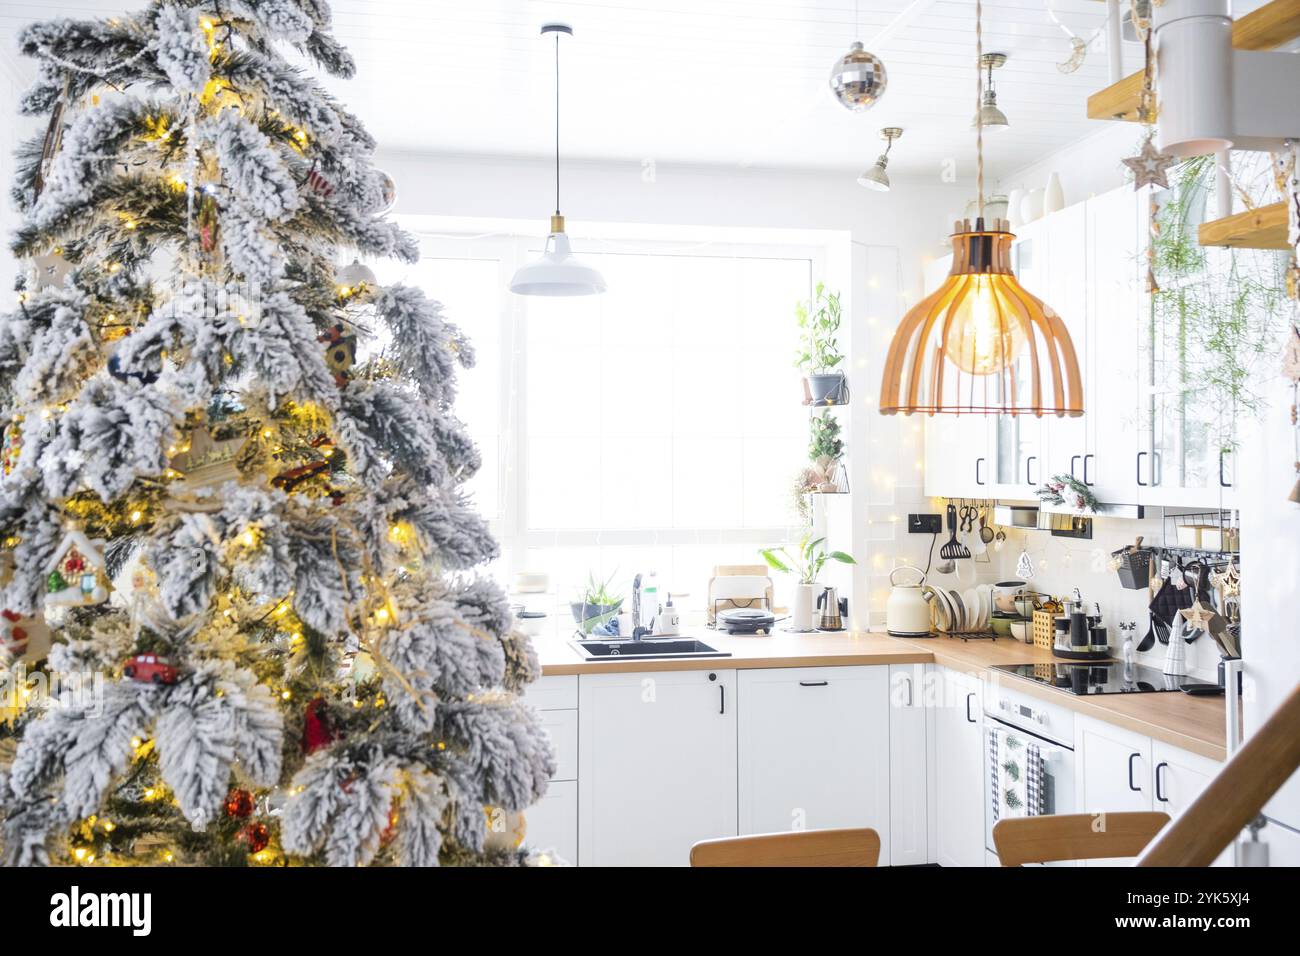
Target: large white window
x=656, y=427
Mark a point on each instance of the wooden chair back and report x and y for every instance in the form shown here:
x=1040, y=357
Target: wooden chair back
x=846, y=847
x=1074, y=836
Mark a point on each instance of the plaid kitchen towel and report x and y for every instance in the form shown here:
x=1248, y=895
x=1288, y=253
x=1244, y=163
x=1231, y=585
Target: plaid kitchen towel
x=1009, y=763
x=1034, y=795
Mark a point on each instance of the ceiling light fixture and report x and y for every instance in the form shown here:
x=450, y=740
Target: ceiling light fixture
x=988, y=113
x=876, y=177
x=556, y=271
x=981, y=344
x=858, y=78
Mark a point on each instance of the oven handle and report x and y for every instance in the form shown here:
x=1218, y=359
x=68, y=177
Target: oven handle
x=990, y=720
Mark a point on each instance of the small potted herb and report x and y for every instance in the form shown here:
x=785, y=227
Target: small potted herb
x=819, y=352
x=805, y=563
x=596, y=604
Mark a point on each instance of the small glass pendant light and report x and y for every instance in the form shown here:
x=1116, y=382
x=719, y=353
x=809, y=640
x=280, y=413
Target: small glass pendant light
x=981, y=344
x=556, y=271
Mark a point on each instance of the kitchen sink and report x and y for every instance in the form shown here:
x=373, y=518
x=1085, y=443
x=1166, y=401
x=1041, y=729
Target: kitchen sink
x=650, y=648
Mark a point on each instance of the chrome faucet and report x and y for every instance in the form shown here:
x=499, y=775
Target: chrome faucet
x=637, y=629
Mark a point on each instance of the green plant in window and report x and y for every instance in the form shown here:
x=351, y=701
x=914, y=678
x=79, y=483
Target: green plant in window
x=1222, y=309
x=819, y=326
x=807, y=560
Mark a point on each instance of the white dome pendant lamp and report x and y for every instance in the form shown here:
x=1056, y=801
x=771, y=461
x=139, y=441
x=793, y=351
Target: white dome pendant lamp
x=556, y=271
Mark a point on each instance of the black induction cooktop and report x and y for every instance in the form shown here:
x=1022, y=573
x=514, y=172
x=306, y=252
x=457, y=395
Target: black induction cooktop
x=1102, y=678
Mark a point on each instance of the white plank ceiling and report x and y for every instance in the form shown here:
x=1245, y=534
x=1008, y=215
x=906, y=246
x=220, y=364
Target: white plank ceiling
x=731, y=82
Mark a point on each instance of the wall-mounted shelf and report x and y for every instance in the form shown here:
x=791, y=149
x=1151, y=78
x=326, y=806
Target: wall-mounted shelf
x=1262, y=228
x=1268, y=27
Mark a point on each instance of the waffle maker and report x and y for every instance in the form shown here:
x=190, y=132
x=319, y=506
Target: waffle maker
x=746, y=620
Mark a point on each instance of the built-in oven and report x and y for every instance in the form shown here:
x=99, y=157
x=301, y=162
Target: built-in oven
x=1028, y=757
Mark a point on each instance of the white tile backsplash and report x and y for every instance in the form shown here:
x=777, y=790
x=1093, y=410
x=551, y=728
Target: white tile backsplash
x=1062, y=564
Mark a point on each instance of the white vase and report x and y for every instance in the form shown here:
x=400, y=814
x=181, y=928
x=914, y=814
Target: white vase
x=1031, y=207
x=1053, y=195
x=1014, y=199
x=802, y=616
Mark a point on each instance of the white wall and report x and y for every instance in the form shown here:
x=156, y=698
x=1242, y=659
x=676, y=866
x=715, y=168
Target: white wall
x=876, y=260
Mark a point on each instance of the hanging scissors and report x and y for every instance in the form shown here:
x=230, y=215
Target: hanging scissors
x=968, y=518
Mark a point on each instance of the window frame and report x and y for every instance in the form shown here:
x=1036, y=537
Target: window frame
x=511, y=250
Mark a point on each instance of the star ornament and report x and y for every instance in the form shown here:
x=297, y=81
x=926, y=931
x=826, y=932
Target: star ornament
x=1198, y=616
x=1149, y=166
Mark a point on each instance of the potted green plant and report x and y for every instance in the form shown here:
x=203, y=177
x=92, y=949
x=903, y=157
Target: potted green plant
x=596, y=604
x=825, y=449
x=819, y=352
x=805, y=564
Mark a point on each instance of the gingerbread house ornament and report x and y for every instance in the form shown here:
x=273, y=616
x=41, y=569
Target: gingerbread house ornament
x=77, y=574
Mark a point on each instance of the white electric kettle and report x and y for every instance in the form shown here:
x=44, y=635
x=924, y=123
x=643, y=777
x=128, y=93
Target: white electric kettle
x=907, y=614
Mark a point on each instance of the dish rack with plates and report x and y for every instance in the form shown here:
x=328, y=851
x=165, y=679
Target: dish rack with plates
x=966, y=615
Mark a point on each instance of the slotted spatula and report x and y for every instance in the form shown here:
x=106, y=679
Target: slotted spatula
x=954, y=550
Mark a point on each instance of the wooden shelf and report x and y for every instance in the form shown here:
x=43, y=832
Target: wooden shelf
x=1262, y=228
x=1270, y=26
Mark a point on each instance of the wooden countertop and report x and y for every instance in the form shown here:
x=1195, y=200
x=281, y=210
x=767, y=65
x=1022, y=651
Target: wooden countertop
x=1192, y=723
x=778, y=650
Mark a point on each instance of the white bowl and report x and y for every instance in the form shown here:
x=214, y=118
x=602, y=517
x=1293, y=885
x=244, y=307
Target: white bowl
x=1020, y=631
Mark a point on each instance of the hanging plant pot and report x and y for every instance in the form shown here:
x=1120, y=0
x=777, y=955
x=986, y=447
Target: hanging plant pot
x=829, y=389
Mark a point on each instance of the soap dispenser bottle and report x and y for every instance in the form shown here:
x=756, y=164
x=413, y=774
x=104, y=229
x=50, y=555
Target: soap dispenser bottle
x=670, y=622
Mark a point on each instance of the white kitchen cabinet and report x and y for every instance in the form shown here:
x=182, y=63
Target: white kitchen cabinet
x=1178, y=777
x=1018, y=443
x=1112, y=773
x=1066, y=441
x=1114, y=406
x=959, y=768
x=908, y=765
x=552, y=822
x=1113, y=768
x=813, y=749
x=956, y=446
x=657, y=758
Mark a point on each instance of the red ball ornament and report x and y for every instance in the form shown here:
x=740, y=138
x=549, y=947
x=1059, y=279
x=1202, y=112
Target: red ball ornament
x=239, y=803
x=256, y=835
x=316, y=731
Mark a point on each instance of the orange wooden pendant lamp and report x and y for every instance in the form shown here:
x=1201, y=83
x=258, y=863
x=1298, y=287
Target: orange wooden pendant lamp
x=981, y=344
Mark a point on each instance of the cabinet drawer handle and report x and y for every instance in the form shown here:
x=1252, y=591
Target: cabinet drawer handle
x=1073, y=459
x=814, y=683
x=1222, y=483
x=1139, y=469
x=978, y=480
x=969, y=698
x=909, y=690
x=1131, y=785
x=1160, y=794
x=1086, y=458
x=722, y=698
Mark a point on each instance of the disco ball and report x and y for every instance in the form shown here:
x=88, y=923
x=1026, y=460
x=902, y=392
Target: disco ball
x=858, y=79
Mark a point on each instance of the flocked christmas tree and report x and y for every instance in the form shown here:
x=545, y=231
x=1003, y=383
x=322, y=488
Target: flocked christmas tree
x=244, y=542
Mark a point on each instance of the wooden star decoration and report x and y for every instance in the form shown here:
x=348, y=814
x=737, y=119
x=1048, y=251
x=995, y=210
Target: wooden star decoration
x=1291, y=356
x=1198, y=616
x=1149, y=166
